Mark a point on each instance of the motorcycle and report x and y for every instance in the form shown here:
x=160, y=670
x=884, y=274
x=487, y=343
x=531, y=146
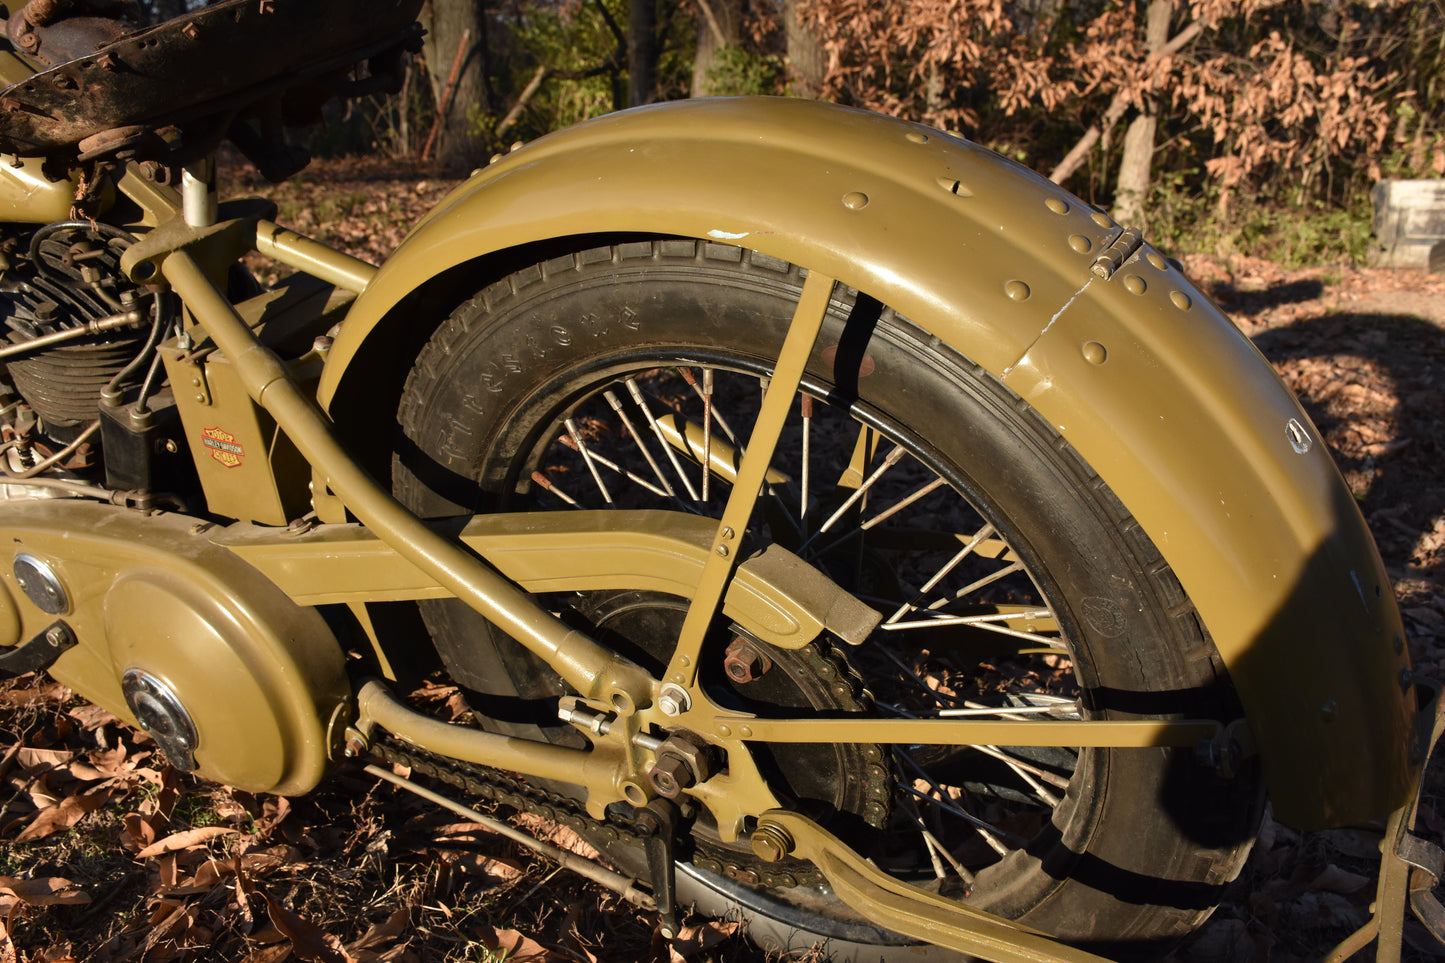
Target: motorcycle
x=832, y=521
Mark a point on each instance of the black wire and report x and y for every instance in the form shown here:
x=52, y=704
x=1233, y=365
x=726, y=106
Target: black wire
x=157, y=329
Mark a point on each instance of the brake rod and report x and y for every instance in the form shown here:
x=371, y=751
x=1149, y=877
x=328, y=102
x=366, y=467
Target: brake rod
x=1081, y=733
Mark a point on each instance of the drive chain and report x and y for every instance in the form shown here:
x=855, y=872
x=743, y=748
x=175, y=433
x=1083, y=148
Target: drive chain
x=501, y=789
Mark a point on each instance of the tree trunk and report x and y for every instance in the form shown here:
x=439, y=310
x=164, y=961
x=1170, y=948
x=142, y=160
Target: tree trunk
x=1074, y=159
x=807, y=63
x=719, y=25
x=1132, y=187
x=456, y=37
x=642, y=52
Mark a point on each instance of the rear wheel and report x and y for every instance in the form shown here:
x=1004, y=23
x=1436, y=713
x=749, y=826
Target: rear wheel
x=1011, y=582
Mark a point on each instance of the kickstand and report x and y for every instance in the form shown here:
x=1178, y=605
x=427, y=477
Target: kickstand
x=661, y=867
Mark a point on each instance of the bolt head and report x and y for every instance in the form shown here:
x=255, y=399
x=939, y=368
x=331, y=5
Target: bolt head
x=670, y=776
x=673, y=700
x=771, y=843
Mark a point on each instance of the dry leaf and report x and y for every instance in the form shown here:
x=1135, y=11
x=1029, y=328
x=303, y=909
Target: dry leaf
x=56, y=953
x=50, y=692
x=692, y=940
x=34, y=760
x=110, y=763
x=138, y=832
x=7, y=946
x=92, y=717
x=62, y=816
x=559, y=836
x=475, y=864
x=516, y=948
x=1358, y=843
x=166, y=869
x=184, y=840
x=50, y=891
x=463, y=829
x=308, y=940
x=379, y=933
x=168, y=930
x=1336, y=880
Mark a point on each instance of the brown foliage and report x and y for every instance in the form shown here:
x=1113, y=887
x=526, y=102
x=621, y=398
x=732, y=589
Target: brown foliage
x=1257, y=88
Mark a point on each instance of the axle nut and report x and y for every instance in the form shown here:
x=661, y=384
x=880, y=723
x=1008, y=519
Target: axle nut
x=670, y=775
x=743, y=663
x=771, y=843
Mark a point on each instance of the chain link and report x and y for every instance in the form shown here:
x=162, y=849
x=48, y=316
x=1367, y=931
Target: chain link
x=619, y=827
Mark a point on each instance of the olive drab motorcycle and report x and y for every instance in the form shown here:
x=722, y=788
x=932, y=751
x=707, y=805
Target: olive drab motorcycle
x=834, y=522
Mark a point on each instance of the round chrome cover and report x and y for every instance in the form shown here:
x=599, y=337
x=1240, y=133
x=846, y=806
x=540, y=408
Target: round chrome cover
x=161, y=714
x=40, y=584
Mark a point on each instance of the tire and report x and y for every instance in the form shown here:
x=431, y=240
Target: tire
x=1075, y=612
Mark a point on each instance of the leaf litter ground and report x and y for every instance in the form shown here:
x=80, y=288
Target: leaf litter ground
x=108, y=855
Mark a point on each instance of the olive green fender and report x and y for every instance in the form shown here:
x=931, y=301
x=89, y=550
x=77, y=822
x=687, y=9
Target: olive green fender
x=1167, y=401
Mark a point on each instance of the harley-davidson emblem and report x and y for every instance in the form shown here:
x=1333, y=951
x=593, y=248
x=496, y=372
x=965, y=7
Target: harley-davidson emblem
x=223, y=447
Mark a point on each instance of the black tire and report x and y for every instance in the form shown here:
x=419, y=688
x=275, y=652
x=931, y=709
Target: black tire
x=1132, y=855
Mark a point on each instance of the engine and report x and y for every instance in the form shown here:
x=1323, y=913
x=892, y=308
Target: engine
x=81, y=396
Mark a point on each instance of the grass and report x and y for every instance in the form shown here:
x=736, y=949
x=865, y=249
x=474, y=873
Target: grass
x=1291, y=235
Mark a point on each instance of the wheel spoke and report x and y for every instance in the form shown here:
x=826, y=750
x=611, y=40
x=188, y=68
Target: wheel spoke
x=704, y=392
x=546, y=483
x=997, y=839
x=899, y=506
x=636, y=391
x=578, y=446
x=616, y=404
x=973, y=587
x=611, y=465
x=963, y=553
x=892, y=459
x=707, y=377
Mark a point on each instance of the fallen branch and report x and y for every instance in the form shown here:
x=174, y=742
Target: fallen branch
x=712, y=24
x=528, y=92
x=447, y=92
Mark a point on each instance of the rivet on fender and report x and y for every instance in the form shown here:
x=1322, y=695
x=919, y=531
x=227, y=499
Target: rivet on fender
x=1180, y=299
x=1080, y=244
x=1134, y=284
x=917, y=136
x=1157, y=261
x=1057, y=204
x=1095, y=353
x=1017, y=290
x=855, y=200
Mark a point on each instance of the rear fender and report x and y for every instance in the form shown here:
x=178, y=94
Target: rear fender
x=1143, y=375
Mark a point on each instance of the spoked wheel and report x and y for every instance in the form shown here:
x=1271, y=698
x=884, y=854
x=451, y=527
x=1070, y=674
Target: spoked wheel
x=1011, y=584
